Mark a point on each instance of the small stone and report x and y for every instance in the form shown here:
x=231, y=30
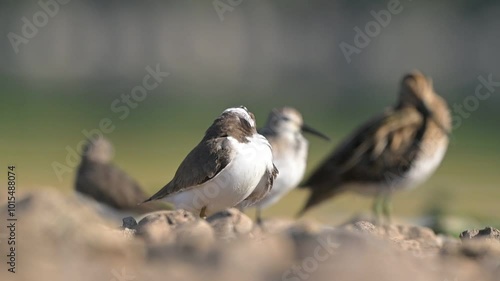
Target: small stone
x=172, y=218
x=158, y=228
x=230, y=224
x=129, y=222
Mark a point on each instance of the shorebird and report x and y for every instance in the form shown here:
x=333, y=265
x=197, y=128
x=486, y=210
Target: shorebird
x=283, y=130
x=99, y=179
x=233, y=164
x=397, y=150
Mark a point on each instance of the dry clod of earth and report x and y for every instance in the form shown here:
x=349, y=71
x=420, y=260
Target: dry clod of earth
x=231, y=224
x=418, y=240
x=486, y=233
x=172, y=231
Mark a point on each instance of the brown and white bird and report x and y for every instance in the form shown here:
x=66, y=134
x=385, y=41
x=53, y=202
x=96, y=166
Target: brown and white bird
x=283, y=130
x=107, y=184
x=233, y=164
x=396, y=150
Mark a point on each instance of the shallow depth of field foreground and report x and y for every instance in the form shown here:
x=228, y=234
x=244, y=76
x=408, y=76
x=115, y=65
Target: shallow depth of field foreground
x=63, y=237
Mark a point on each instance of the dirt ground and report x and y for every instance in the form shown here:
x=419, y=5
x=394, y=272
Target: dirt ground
x=61, y=237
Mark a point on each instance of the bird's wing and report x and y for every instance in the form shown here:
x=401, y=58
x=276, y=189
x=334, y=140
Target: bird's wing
x=262, y=189
x=110, y=185
x=202, y=164
x=386, y=144
x=382, y=149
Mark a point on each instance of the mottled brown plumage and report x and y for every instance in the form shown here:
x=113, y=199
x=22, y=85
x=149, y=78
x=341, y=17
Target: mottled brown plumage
x=388, y=152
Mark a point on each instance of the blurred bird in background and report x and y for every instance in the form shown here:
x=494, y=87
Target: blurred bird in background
x=283, y=130
x=397, y=150
x=107, y=184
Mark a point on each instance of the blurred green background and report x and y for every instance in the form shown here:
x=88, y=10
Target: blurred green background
x=261, y=54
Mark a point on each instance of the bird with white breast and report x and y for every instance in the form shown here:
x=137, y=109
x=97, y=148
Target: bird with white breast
x=284, y=130
x=233, y=164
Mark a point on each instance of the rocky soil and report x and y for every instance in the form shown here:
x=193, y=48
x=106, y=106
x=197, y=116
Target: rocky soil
x=60, y=237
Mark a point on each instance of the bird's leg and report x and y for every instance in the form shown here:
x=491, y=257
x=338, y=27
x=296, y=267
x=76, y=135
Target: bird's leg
x=377, y=204
x=387, y=207
x=203, y=214
x=258, y=217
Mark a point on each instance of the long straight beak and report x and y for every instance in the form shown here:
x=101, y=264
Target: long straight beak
x=308, y=129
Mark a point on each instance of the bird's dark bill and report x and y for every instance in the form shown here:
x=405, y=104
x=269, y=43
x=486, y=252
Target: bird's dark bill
x=311, y=130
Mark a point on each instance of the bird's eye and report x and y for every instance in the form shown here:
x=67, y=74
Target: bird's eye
x=284, y=118
x=244, y=108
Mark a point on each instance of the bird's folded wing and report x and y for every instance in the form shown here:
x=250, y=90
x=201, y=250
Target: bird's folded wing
x=262, y=189
x=379, y=145
x=202, y=164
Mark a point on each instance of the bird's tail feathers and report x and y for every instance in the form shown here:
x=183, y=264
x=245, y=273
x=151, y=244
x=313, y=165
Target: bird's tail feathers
x=160, y=194
x=318, y=195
